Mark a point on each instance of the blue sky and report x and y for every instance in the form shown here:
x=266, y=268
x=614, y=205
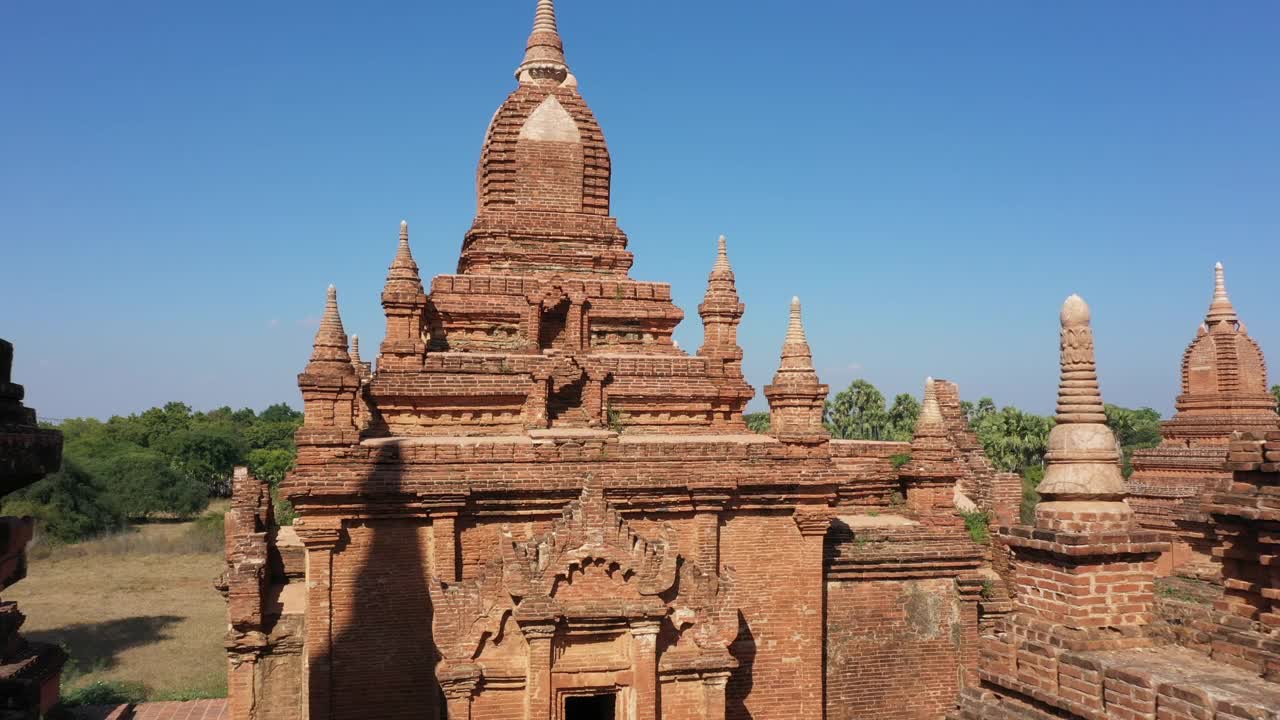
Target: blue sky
x=179, y=182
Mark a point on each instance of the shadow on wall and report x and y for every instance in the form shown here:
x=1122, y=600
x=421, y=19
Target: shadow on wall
x=743, y=649
x=97, y=646
x=383, y=658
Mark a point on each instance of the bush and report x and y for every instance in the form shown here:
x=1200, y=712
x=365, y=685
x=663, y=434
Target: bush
x=113, y=692
x=69, y=505
x=758, y=422
x=1030, y=497
x=978, y=524
x=143, y=484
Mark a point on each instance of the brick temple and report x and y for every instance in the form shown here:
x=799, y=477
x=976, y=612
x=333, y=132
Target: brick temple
x=536, y=505
x=1224, y=390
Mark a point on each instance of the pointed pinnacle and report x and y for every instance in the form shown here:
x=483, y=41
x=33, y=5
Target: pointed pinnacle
x=795, y=330
x=1221, y=310
x=330, y=344
x=544, y=20
x=930, y=411
x=403, y=275
x=544, y=52
x=722, y=266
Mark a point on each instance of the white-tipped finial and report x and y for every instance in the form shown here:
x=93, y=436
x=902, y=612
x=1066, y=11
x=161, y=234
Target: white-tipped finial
x=1221, y=310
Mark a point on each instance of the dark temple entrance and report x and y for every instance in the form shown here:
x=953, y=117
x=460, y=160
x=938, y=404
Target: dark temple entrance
x=590, y=707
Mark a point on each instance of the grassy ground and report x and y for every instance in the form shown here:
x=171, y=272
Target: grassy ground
x=137, y=608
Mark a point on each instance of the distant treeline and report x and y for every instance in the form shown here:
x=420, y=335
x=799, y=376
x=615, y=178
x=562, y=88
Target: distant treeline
x=166, y=462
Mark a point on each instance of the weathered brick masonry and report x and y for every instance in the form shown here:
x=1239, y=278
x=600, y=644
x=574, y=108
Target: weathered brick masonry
x=1224, y=390
x=539, y=506
x=29, y=672
x=1078, y=643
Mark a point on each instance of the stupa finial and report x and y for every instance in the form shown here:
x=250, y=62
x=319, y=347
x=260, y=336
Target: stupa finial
x=722, y=267
x=930, y=411
x=795, y=329
x=1221, y=310
x=330, y=347
x=1083, y=461
x=403, y=275
x=544, y=53
x=1079, y=397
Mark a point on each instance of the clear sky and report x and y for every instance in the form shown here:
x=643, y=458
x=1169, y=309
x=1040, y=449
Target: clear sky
x=180, y=181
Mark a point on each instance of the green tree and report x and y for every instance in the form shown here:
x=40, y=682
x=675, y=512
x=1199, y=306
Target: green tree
x=271, y=465
x=281, y=412
x=1134, y=430
x=758, y=422
x=142, y=483
x=903, y=416
x=270, y=435
x=858, y=413
x=1275, y=390
x=206, y=455
x=158, y=424
x=975, y=412
x=69, y=505
x=1014, y=440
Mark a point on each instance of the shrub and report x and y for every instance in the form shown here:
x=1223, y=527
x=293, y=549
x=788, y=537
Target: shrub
x=900, y=460
x=758, y=422
x=1030, y=497
x=113, y=692
x=144, y=484
x=69, y=505
x=978, y=524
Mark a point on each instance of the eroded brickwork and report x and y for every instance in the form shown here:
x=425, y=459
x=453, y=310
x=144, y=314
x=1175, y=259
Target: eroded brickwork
x=1079, y=643
x=1224, y=390
x=29, y=671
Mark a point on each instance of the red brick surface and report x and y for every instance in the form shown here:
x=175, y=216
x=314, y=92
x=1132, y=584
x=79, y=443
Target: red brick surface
x=537, y=495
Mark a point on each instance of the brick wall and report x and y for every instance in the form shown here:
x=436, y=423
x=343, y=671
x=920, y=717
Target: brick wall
x=894, y=648
x=383, y=656
x=781, y=590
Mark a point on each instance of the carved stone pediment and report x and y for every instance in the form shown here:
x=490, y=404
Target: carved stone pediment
x=589, y=532
x=590, y=566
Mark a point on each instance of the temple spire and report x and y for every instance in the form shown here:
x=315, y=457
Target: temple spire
x=544, y=53
x=1221, y=310
x=403, y=275
x=795, y=331
x=722, y=270
x=796, y=397
x=930, y=411
x=329, y=351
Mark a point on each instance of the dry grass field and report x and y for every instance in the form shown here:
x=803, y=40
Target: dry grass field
x=138, y=608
